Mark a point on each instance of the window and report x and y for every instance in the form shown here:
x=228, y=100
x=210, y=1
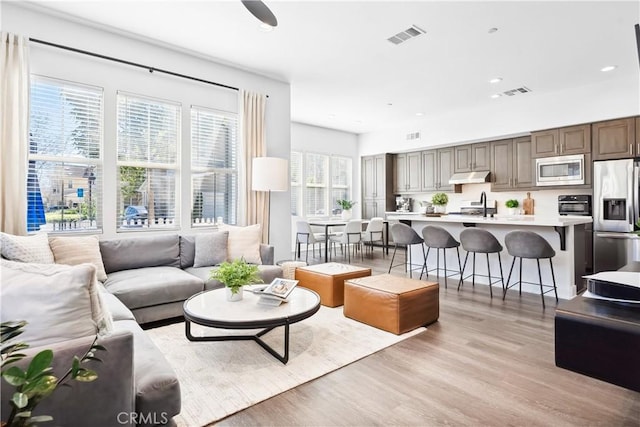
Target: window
x=326, y=179
x=214, y=174
x=64, y=180
x=148, y=140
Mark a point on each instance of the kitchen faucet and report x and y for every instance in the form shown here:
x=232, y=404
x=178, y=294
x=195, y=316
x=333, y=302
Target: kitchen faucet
x=483, y=200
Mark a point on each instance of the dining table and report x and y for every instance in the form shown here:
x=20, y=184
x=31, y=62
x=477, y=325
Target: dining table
x=328, y=224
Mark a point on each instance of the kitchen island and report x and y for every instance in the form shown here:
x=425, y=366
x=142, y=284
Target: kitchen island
x=566, y=234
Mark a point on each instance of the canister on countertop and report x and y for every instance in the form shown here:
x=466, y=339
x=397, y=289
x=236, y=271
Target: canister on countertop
x=527, y=205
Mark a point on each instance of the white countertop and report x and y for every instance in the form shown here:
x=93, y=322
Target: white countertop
x=518, y=220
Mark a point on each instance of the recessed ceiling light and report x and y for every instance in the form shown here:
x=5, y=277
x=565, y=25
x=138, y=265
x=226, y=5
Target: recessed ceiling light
x=389, y=104
x=496, y=95
x=495, y=80
x=332, y=116
x=265, y=28
x=492, y=30
x=609, y=68
x=419, y=114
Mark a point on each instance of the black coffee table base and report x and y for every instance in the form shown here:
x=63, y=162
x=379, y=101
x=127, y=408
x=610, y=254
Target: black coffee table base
x=257, y=338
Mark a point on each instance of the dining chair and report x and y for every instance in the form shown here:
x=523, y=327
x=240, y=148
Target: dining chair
x=352, y=235
x=304, y=234
x=374, y=233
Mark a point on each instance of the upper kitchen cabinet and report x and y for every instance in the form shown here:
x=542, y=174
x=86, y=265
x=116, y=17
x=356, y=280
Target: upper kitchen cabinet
x=561, y=142
x=511, y=164
x=377, y=178
x=472, y=157
x=437, y=168
x=407, y=173
x=615, y=139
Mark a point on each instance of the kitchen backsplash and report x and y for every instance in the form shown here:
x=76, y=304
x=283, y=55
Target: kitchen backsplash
x=545, y=201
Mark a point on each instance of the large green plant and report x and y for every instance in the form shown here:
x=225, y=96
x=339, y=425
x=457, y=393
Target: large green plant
x=38, y=381
x=236, y=274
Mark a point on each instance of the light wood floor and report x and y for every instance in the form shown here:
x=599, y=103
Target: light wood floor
x=484, y=363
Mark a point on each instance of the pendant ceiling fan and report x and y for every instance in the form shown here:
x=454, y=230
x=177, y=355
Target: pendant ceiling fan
x=261, y=11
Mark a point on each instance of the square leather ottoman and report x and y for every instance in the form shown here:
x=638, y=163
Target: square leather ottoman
x=328, y=280
x=391, y=303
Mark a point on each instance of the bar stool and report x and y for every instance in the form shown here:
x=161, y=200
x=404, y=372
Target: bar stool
x=439, y=238
x=403, y=235
x=527, y=244
x=477, y=240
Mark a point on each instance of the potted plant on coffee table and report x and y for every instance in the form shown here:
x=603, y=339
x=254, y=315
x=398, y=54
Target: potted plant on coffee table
x=234, y=275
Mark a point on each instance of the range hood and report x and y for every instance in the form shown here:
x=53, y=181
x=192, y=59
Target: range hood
x=477, y=177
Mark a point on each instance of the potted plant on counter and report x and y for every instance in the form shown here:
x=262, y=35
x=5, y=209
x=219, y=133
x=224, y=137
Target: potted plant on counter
x=512, y=204
x=346, y=206
x=234, y=275
x=440, y=200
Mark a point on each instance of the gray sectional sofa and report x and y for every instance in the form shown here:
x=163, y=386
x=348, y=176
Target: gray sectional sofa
x=148, y=279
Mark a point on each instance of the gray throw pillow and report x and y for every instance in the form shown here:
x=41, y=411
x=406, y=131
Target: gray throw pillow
x=211, y=248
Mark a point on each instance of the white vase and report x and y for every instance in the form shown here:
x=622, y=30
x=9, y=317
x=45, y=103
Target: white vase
x=234, y=297
x=346, y=214
x=512, y=211
x=440, y=208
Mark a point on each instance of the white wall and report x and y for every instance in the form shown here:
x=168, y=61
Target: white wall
x=57, y=63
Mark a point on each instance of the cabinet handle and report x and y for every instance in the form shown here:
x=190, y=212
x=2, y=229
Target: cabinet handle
x=515, y=182
x=561, y=148
x=555, y=149
x=631, y=149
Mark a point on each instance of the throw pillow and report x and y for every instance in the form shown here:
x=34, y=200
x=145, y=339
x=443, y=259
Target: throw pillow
x=26, y=248
x=244, y=242
x=59, y=302
x=78, y=250
x=211, y=249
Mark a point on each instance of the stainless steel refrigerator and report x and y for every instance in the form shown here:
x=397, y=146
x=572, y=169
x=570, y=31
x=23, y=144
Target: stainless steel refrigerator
x=615, y=213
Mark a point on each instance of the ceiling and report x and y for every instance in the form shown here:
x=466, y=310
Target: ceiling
x=345, y=75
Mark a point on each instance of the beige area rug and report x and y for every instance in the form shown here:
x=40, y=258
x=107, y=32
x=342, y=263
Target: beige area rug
x=218, y=379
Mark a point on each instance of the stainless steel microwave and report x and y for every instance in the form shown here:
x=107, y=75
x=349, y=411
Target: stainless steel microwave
x=561, y=170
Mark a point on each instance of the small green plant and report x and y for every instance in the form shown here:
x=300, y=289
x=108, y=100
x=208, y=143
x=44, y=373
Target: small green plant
x=440, y=199
x=345, y=204
x=236, y=274
x=38, y=381
x=512, y=203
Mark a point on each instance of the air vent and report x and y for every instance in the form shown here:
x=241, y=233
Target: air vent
x=413, y=136
x=407, y=34
x=517, y=91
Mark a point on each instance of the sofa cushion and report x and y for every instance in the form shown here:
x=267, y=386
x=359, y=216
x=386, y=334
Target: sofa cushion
x=59, y=302
x=244, y=242
x=211, y=249
x=26, y=248
x=129, y=253
x=187, y=250
x=78, y=250
x=156, y=384
x=149, y=286
x=118, y=310
x=267, y=274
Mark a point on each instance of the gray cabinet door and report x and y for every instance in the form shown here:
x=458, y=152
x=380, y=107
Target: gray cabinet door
x=429, y=170
x=368, y=177
x=575, y=139
x=545, y=143
x=523, y=169
x=501, y=164
x=413, y=168
x=445, y=169
x=462, y=155
x=400, y=173
x=613, y=139
x=380, y=176
x=481, y=157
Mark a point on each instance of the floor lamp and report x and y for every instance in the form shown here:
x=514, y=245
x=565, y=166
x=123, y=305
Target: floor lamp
x=269, y=174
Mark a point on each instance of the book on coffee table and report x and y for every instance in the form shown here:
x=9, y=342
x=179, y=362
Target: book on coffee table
x=277, y=291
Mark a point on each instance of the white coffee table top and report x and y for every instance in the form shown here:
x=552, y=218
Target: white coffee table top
x=211, y=308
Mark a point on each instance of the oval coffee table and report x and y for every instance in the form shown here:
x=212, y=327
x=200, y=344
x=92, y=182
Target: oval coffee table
x=211, y=308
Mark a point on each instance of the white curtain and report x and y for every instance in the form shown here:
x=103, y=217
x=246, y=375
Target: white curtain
x=256, y=207
x=14, y=132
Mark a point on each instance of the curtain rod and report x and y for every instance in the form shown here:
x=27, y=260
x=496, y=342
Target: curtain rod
x=133, y=64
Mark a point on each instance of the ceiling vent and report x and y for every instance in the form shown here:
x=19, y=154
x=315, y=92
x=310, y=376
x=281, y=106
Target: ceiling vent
x=517, y=91
x=407, y=34
x=413, y=136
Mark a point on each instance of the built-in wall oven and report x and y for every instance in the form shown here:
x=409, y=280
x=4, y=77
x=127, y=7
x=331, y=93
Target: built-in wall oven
x=561, y=170
x=580, y=204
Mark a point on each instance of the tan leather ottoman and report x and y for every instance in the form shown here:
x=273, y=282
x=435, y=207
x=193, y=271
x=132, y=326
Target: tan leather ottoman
x=391, y=303
x=328, y=280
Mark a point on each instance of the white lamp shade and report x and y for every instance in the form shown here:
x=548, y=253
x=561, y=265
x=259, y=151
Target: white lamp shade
x=270, y=174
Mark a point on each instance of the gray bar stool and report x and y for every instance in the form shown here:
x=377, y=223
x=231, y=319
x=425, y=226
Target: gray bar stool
x=439, y=238
x=403, y=235
x=477, y=240
x=527, y=244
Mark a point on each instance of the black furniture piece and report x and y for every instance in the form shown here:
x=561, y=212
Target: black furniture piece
x=600, y=339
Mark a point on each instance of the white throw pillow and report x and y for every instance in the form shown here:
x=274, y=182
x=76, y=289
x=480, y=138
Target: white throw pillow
x=78, y=250
x=244, y=242
x=211, y=249
x=59, y=302
x=26, y=248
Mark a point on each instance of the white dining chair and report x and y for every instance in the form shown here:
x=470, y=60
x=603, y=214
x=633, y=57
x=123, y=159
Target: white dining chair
x=305, y=235
x=351, y=236
x=374, y=233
